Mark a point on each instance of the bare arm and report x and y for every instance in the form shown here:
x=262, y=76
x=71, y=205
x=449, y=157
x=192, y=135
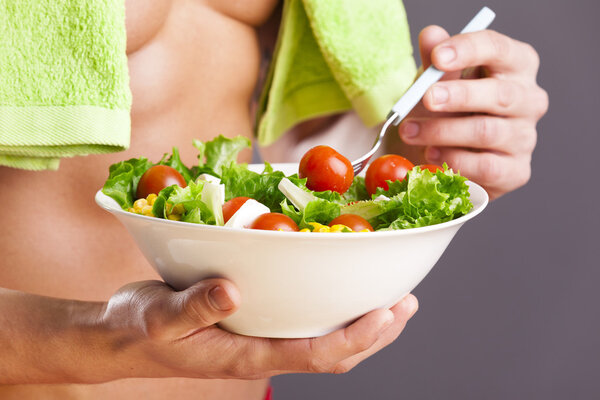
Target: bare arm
x=42, y=339
x=148, y=330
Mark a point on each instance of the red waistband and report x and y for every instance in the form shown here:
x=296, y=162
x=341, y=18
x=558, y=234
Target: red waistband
x=269, y=395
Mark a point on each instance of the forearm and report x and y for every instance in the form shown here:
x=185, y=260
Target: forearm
x=50, y=340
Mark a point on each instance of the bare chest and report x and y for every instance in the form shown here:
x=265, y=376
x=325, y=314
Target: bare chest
x=193, y=67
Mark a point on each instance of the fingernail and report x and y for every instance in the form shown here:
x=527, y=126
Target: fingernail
x=410, y=304
x=432, y=153
x=439, y=94
x=410, y=130
x=219, y=299
x=446, y=54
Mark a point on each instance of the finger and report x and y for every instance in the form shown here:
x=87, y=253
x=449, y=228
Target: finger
x=321, y=354
x=403, y=311
x=508, y=135
x=497, y=173
x=488, y=95
x=430, y=37
x=356, y=342
x=171, y=315
x=496, y=51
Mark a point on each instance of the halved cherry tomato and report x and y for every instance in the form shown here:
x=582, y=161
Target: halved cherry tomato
x=431, y=167
x=352, y=221
x=275, y=222
x=326, y=169
x=157, y=178
x=230, y=207
x=390, y=167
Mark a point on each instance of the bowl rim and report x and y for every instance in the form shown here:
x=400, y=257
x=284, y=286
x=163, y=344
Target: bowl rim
x=110, y=205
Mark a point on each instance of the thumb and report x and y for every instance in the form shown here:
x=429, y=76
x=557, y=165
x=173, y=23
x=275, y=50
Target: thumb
x=155, y=309
x=430, y=37
x=203, y=304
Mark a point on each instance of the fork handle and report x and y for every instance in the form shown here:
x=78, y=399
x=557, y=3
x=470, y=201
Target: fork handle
x=431, y=75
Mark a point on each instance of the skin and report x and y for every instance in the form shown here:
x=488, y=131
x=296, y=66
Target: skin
x=486, y=127
x=187, y=84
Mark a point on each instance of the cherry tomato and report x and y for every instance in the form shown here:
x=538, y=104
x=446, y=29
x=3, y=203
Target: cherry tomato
x=431, y=167
x=275, y=222
x=326, y=169
x=390, y=167
x=157, y=178
x=230, y=207
x=352, y=221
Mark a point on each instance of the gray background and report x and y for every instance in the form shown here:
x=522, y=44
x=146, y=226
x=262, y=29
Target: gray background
x=511, y=309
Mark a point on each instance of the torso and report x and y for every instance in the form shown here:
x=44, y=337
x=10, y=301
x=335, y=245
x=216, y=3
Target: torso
x=193, y=67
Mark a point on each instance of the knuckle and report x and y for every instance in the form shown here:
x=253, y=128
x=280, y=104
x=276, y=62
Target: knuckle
x=242, y=361
x=533, y=56
x=341, y=368
x=499, y=43
x=358, y=343
x=467, y=48
x=314, y=362
x=543, y=102
x=524, y=175
x=434, y=132
x=507, y=93
x=318, y=365
x=151, y=325
x=528, y=139
x=147, y=309
x=486, y=131
x=489, y=168
x=364, y=344
x=460, y=96
x=194, y=311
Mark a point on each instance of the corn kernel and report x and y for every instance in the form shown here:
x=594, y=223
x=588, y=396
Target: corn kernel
x=174, y=217
x=340, y=228
x=365, y=230
x=305, y=230
x=178, y=209
x=169, y=208
x=147, y=210
x=151, y=198
x=131, y=209
x=139, y=204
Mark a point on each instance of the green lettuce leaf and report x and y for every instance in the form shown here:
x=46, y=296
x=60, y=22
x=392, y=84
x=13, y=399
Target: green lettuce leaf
x=159, y=208
x=429, y=198
x=262, y=187
x=357, y=191
x=190, y=197
x=219, y=152
x=291, y=212
x=174, y=161
x=321, y=211
x=123, y=179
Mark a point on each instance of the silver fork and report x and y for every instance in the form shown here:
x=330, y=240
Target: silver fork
x=415, y=93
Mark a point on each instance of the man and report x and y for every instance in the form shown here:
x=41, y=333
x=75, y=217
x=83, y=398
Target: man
x=193, y=68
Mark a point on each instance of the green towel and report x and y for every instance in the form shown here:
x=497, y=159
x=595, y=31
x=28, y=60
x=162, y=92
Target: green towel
x=333, y=56
x=64, y=83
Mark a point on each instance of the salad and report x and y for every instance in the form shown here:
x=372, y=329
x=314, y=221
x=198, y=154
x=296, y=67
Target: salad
x=324, y=196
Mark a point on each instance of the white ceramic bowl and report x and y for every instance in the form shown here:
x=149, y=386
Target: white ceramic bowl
x=294, y=284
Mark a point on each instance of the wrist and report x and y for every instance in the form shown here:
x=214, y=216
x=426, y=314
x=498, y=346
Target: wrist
x=124, y=348
x=87, y=353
